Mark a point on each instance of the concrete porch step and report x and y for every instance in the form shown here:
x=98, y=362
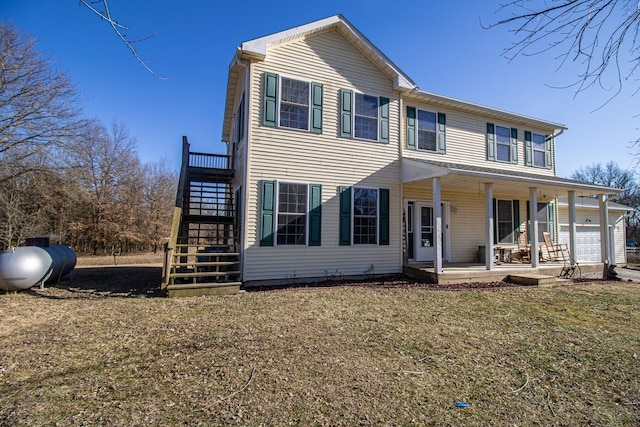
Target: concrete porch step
x=533, y=279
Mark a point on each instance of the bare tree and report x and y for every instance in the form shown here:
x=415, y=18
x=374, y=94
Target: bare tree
x=160, y=192
x=611, y=175
x=39, y=111
x=103, y=162
x=602, y=35
x=105, y=14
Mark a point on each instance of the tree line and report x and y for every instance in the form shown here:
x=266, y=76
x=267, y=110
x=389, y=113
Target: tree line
x=75, y=180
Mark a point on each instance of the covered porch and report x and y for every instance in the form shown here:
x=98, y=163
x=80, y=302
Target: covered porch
x=463, y=203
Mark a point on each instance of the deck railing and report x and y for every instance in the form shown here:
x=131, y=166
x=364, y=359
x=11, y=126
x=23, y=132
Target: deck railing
x=210, y=161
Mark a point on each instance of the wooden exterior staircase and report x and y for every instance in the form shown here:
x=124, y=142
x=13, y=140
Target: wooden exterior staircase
x=202, y=255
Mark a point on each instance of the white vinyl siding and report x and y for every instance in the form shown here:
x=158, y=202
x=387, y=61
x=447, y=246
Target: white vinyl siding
x=466, y=141
x=325, y=159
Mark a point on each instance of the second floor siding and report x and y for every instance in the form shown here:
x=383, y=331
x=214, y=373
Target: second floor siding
x=328, y=64
x=474, y=139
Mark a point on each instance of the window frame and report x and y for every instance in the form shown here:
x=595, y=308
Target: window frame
x=353, y=215
x=279, y=105
x=278, y=213
x=543, y=151
x=508, y=144
x=355, y=115
x=435, y=130
x=500, y=241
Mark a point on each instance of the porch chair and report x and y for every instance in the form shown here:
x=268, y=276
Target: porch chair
x=555, y=251
x=523, y=247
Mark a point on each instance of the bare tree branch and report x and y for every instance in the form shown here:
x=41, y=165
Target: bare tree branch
x=117, y=27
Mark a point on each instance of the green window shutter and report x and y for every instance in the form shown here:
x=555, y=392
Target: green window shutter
x=547, y=147
x=528, y=222
x=411, y=128
x=346, y=113
x=495, y=221
x=491, y=141
x=551, y=220
x=384, y=119
x=442, y=133
x=345, y=216
x=315, y=214
x=516, y=220
x=316, y=107
x=270, y=99
x=514, y=145
x=384, y=216
x=267, y=212
x=528, y=151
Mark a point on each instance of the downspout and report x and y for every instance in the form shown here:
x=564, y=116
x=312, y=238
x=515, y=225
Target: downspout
x=554, y=136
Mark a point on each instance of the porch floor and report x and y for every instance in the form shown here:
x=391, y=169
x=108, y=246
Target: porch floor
x=455, y=273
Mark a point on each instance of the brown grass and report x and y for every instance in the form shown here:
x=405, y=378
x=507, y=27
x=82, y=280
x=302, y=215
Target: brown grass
x=103, y=349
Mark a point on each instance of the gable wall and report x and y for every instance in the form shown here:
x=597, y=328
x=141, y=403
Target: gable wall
x=300, y=156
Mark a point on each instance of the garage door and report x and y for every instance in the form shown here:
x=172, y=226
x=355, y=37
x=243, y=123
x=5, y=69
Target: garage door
x=588, y=242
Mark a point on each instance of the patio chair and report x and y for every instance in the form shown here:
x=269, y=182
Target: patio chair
x=555, y=251
x=523, y=247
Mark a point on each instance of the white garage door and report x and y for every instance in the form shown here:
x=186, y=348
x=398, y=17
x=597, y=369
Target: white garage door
x=588, y=242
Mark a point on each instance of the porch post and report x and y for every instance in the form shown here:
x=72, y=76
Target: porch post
x=605, y=256
x=437, y=216
x=572, y=227
x=488, y=207
x=533, y=236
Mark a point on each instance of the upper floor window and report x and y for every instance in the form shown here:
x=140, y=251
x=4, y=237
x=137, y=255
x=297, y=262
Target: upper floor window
x=240, y=120
x=537, y=150
x=426, y=130
x=292, y=103
x=364, y=116
x=502, y=143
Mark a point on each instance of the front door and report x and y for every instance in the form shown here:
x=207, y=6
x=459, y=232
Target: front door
x=424, y=229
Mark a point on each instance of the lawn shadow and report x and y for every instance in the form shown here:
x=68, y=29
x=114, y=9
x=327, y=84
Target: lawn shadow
x=117, y=281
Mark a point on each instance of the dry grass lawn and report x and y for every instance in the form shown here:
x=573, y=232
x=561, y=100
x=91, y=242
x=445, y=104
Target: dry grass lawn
x=105, y=349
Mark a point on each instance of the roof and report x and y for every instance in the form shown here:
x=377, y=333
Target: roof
x=592, y=203
x=257, y=49
x=505, y=180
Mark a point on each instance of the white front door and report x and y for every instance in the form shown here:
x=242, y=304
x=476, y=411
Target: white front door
x=424, y=232
x=423, y=228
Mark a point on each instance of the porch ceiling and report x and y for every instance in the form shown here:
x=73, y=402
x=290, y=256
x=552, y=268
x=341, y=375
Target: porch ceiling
x=465, y=178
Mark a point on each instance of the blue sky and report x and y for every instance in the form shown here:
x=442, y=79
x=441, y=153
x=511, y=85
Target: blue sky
x=439, y=44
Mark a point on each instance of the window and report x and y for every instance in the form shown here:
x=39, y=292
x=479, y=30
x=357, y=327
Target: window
x=545, y=219
x=364, y=116
x=426, y=130
x=365, y=216
x=502, y=143
x=240, y=120
x=504, y=221
x=292, y=103
x=290, y=213
x=539, y=150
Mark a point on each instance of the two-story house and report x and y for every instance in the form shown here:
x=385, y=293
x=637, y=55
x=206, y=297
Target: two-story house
x=344, y=167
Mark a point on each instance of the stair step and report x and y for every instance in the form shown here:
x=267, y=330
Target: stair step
x=204, y=274
x=204, y=264
x=200, y=289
